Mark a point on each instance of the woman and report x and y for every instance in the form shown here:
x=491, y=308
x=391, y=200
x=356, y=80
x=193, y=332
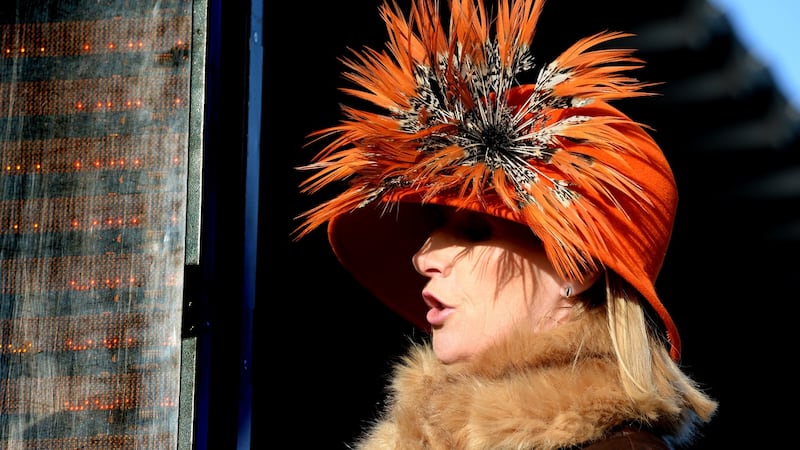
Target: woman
x=536, y=217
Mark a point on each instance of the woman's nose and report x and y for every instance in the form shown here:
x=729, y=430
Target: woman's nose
x=432, y=258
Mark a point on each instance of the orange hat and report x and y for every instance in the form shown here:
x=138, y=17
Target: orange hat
x=456, y=125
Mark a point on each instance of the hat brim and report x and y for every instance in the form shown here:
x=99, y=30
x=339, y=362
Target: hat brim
x=377, y=247
x=376, y=244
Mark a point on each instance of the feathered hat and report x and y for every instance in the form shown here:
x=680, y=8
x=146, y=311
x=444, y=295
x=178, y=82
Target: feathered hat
x=451, y=122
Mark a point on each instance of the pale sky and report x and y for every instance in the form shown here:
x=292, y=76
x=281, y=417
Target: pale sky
x=770, y=29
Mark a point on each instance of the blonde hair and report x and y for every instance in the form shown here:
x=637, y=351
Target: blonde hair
x=646, y=368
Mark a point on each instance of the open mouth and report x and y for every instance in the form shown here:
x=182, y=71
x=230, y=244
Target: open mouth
x=438, y=311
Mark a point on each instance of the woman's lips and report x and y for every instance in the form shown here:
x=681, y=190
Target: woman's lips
x=438, y=311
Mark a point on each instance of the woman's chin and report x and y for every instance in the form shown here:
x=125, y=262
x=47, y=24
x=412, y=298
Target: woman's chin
x=447, y=349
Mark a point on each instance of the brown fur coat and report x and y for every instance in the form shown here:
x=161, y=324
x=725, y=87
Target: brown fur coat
x=532, y=391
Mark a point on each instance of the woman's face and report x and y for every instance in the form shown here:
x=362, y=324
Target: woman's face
x=485, y=276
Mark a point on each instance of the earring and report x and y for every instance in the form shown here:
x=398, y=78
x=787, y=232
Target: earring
x=566, y=291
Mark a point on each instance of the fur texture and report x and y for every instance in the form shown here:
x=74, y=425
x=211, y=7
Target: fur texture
x=532, y=391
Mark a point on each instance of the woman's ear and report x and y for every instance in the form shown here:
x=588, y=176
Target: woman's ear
x=571, y=288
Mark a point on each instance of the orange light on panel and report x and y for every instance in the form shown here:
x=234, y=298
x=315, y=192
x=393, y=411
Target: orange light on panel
x=111, y=343
x=17, y=349
x=21, y=350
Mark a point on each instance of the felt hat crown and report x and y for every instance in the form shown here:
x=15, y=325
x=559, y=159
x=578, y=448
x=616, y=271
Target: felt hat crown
x=452, y=123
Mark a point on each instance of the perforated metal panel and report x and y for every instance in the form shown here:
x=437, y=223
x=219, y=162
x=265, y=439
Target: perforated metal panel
x=95, y=120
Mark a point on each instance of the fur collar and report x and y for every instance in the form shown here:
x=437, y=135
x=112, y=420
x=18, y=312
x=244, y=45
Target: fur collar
x=532, y=391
